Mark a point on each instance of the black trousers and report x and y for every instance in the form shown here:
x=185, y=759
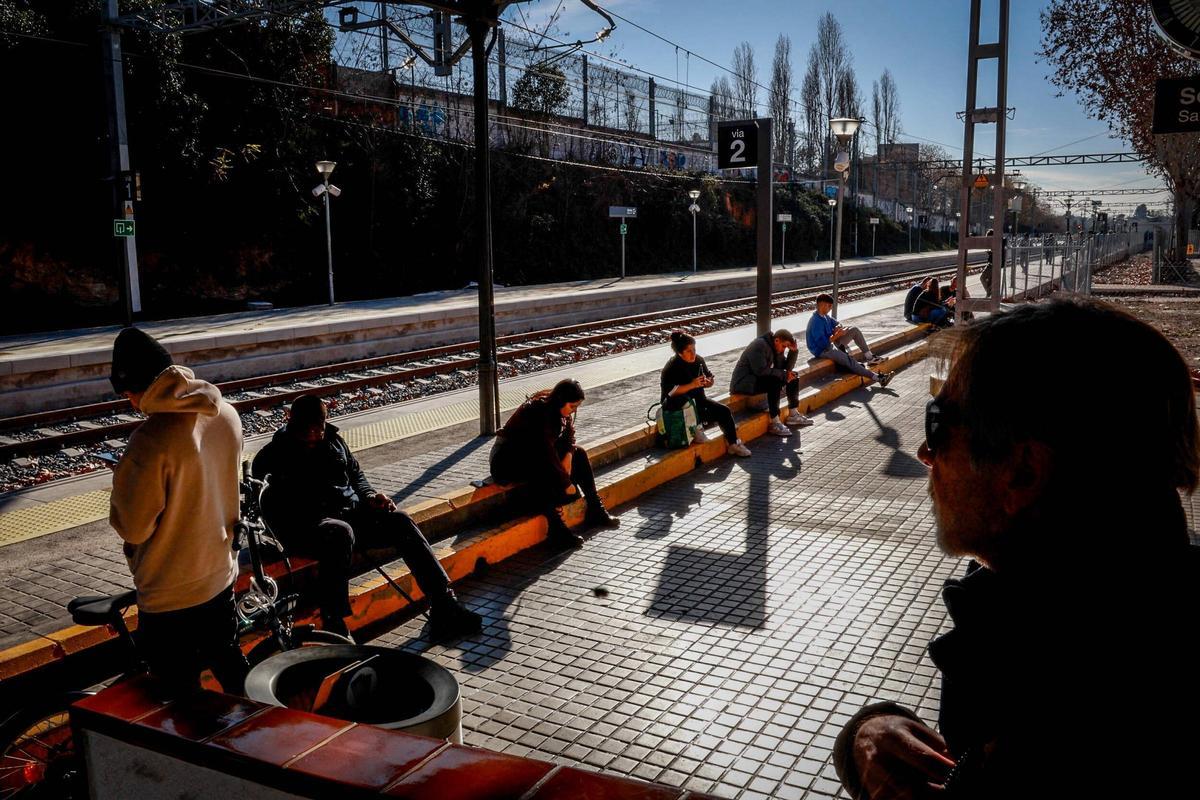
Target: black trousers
x=771, y=385
x=179, y=645
x=509, y=465
x=711, y=411
x=333, y=540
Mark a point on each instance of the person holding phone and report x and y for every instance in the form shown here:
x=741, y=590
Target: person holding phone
x=828, y=338
x=768, y=365
x=174, y=503
x=685, y=377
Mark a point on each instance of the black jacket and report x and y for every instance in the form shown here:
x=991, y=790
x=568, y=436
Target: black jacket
x=678, y=372
x=1071, y=675
x=308, y=484
x=532, y=443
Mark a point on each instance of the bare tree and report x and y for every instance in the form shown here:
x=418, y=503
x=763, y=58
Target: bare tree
x=781, y=96
x=885, y=110
x=745, y=80
x=849, y=99
x=833, y=59
x=722, y=95
x=814, y=122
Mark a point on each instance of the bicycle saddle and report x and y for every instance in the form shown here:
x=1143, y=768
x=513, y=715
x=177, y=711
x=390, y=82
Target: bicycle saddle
x=99, y=609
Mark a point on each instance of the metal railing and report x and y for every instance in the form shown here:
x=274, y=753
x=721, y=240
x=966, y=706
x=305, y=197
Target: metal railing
x=1035, y=266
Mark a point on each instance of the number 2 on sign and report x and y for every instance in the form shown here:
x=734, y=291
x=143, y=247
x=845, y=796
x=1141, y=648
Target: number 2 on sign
x=737, y=148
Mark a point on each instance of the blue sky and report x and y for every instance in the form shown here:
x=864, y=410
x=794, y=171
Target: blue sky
x=923, y=43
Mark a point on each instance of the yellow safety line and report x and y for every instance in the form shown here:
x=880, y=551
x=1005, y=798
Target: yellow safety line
x=31, y=522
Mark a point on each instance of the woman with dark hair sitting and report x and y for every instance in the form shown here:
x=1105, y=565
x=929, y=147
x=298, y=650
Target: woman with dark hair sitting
x=685, y=377
x=929, y=308
x=537, y=447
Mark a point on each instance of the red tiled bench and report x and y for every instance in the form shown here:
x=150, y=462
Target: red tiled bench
x=213, y=745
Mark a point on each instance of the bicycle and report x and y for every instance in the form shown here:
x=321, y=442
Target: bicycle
x=37, y=754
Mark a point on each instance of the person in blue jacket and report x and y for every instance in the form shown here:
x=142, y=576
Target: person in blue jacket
x=826, y=338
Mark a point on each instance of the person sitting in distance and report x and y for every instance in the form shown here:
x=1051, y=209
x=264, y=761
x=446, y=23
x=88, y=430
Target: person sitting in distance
x=537, y=447
x=320, y=505
x=828, y=339
x=685, y=377
x=768, y=364
x=910, y=299
x=1069, y=669
x=928, y=306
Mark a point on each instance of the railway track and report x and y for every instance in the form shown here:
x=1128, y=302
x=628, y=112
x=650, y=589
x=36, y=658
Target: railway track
x=423, y=372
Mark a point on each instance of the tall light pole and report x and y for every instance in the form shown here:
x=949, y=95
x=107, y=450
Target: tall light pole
x=326, y=189
x=1018, y=187
x=694, y=194
x=832, y=206
x=908, y=212
x=957, y=225
x=843, y=129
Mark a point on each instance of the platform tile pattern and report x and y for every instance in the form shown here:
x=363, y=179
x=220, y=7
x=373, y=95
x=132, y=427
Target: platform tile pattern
x=741, y=614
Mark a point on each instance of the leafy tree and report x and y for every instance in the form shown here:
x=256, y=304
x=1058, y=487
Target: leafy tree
x=1111, y=74
x=541, y=89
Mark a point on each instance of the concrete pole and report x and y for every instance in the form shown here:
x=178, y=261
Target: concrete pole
x=489, y=389
x=117, y=135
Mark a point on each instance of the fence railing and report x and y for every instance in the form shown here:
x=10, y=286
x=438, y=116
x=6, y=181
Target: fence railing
x=1034, y=266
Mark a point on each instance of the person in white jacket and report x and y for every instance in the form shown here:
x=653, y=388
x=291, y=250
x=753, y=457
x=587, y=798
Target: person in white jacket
x=174, y=503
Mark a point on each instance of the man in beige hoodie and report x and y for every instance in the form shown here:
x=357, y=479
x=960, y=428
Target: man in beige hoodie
x=174, y=502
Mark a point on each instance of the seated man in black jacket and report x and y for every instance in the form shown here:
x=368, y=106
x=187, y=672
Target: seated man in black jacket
x=321, y=506
x=1069, y=667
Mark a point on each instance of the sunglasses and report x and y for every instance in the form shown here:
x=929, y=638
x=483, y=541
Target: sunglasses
x=939, y=416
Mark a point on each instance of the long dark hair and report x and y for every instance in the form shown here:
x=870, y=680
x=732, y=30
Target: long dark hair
x=565, y=391
x=680, y=341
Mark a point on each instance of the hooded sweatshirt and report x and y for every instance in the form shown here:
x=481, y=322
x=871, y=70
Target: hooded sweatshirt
x=175, y=493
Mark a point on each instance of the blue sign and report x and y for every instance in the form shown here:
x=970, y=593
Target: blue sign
x=831, y=191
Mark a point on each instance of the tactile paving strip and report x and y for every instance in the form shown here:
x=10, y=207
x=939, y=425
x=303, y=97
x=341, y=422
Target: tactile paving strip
x=31, y=522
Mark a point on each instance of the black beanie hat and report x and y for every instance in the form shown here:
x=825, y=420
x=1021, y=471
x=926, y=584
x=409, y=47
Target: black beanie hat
x=137, y=359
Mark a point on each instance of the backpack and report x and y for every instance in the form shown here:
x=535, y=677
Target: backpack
x=675, y=428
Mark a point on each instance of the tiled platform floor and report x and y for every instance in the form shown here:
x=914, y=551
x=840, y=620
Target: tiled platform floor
x=719, y=638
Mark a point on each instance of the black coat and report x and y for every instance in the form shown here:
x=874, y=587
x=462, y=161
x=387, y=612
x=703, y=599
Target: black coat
x=531, y=446
x=1072, y=674
x=308, y=484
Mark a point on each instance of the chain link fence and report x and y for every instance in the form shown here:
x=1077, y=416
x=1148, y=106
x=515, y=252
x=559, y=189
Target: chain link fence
x=1034, y=266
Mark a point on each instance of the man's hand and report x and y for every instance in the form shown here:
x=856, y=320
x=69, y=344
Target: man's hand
x=791, y=376
x=837, y=333
x=899, y=758
x=381, y=502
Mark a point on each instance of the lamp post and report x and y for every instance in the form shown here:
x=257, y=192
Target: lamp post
x=1018, y=186
x=957, y=224
x=326, y=189
x=410, y=64
x=908, y=212
x=832, y=205
x=843, y=129
x=694, y=194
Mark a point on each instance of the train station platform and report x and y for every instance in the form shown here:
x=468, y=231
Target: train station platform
x=56, y=544
x=42, y=371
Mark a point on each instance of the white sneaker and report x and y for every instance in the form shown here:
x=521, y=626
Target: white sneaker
x=779, y=430
x=873, y=359
x=699, y=436
x=797, y=420
x=738, y=449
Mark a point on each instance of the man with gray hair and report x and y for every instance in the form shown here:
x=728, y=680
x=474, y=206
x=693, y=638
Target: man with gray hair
x=1069, y=667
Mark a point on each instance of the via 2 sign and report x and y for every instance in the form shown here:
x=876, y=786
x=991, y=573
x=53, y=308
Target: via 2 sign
x=737, y=145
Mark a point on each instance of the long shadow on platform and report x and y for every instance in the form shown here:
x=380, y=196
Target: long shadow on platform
x=438, y=468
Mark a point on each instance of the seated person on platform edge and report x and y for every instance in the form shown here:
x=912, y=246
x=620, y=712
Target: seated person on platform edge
x=685, y=377
x=768, y=365
x=537, y=447
x=1068, y=665
x=320, y=505
x=828, y=339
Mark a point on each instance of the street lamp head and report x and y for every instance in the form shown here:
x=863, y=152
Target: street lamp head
x=694, y=194
x=409, y=62
x=958, y=214
x=1019, y=185
x=325, y=168
x=832, y=202
x=908, y=209
x=844, y=128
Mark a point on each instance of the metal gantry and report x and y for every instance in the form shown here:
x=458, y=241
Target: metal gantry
x=1099, y=192
x=973, y=116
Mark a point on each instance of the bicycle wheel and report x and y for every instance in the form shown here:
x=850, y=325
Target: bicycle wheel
x=38, y=758
x=302, y=636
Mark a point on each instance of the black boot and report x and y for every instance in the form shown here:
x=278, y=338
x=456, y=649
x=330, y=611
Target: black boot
x=450, y=619
x=557, y=531
x=598, y=516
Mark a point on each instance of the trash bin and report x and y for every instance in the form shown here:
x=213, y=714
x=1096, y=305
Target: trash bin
x=374, y=685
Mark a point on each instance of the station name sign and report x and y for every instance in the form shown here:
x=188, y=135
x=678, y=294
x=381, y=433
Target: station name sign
x=1177, y=105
